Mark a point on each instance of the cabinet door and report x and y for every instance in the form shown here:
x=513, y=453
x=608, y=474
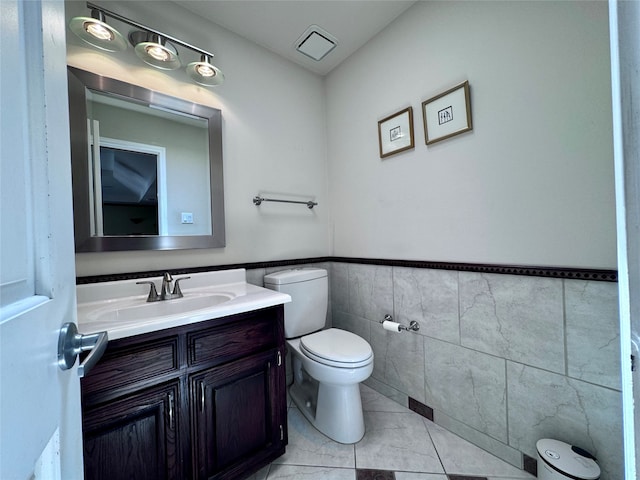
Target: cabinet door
x=133, y=437
x=238, y=412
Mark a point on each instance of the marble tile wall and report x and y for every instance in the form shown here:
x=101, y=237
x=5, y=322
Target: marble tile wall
x=503, y=360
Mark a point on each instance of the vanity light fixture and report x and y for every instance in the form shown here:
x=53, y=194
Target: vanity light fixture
x=95, y=31
x=151, y=46
x=204, y=73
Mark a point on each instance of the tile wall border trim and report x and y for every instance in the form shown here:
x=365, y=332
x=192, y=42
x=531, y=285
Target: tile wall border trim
x=533, y=271
x=549, y=272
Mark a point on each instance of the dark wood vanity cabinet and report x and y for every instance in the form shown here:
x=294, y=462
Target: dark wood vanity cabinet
x=134, y=436
x=202, y=401
x=233, y=416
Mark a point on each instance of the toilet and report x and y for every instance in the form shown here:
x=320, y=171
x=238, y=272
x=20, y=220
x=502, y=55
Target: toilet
x=328, y=365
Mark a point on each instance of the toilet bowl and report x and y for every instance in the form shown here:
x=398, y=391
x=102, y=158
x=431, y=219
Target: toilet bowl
x=328, y=365
x=329, y=395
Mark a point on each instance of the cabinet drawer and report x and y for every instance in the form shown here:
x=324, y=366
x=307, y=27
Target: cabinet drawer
x=129, y=364
x=231, y=341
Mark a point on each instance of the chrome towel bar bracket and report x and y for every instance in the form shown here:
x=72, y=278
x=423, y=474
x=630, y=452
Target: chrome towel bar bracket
x=258, y=200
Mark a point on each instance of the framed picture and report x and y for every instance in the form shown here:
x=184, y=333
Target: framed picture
x=447, y=114
x=395, y=133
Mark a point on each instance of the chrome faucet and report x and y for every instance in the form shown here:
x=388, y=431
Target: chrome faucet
x=165, y=292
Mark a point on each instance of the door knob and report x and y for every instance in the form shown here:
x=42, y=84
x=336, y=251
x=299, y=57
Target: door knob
x=71, y=343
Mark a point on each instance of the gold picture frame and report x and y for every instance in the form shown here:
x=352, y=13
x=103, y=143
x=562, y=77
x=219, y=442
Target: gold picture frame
x=395, y=133
x=447, y=114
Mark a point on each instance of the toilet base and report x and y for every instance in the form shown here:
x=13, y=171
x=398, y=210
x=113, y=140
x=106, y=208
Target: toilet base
x=335, y=410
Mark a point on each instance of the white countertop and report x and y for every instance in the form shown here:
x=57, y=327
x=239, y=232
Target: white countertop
x=98, y=303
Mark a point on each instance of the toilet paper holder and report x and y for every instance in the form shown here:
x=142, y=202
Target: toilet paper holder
x=413, y=325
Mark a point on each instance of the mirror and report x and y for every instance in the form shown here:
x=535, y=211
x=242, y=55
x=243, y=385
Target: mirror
x=147, y=168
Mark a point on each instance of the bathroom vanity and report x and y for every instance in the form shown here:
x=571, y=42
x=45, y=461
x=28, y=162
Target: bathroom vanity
x=202, y=397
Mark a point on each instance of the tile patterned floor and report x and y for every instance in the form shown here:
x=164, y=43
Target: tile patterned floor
x=398, y=444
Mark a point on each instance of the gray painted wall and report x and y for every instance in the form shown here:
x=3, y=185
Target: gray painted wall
x=532, y=184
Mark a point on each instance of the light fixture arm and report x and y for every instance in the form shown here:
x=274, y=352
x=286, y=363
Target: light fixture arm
x=98, y=14
x=171, y=39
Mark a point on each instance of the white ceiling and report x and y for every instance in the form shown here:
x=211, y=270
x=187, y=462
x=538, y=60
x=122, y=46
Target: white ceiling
x=277, y=24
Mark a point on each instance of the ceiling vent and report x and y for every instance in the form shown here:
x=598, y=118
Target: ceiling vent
x=316, y=43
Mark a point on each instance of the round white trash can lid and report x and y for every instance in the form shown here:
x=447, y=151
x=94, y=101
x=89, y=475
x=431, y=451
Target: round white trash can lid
x=568, y=460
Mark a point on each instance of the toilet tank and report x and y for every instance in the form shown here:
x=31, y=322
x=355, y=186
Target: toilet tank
x=309, y=291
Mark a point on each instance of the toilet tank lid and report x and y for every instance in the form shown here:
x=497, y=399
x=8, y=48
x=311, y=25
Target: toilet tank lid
x=294, y=276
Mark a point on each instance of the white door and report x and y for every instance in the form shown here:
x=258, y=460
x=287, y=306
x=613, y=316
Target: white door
x=40, y=419
x=624, y=21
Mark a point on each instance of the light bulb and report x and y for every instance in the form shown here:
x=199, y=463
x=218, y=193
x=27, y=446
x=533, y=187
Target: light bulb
x=205, y=70
x=98, y=31
x=158, y=52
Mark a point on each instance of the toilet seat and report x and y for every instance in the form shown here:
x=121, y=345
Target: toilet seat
x=337, y=348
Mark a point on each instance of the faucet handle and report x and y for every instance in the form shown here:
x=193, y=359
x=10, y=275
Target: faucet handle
x=153, y=293
x=176, y=287
x=167, y=277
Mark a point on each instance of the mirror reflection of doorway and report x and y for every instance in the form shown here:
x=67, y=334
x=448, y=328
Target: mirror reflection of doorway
x=129, y=192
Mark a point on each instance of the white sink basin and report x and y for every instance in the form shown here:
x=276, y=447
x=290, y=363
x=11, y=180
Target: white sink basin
x=121, y=309
x=141, y=311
